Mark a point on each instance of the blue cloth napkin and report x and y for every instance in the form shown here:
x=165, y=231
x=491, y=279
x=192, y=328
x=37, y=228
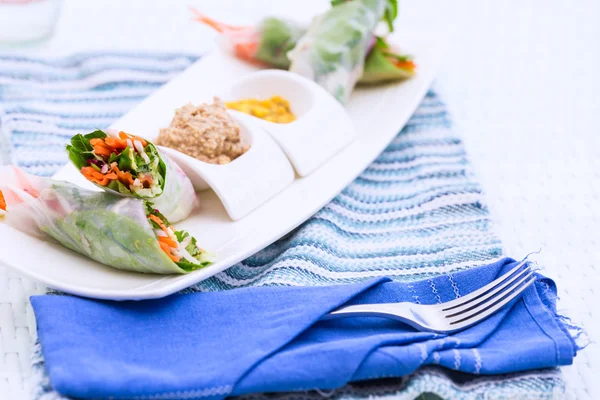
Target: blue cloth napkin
x=270, y=340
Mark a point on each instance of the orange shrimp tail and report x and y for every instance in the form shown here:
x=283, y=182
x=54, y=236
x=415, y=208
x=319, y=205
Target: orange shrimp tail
x=216, y=25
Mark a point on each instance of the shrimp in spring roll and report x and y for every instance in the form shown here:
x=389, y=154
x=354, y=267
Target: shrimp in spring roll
x=131, y=166
x=269, y=42
x=266, y=43
x=121, y=232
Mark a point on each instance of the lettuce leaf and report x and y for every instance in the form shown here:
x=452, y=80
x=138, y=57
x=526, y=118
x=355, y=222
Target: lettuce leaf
x=80, y=149
x=113, y=239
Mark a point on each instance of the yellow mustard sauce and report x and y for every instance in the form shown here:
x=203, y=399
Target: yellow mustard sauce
x=276, y=109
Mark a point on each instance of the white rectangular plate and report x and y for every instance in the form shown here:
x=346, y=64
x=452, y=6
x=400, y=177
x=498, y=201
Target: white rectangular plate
x=378, y=112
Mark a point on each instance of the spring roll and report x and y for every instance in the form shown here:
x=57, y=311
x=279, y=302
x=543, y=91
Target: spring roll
x=121, y=232
x=266, y=43
x=332, y=52
x=131, y=166
x=269, y=42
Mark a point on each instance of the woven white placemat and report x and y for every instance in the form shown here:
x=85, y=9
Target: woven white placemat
x=16, y=333
x=522, y=81
x=525, y=93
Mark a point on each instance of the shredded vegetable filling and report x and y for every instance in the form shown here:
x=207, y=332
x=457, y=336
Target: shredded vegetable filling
x=179, y=246
x=118, y=161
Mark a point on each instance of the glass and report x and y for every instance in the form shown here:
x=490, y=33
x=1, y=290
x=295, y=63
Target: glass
x=24, y=21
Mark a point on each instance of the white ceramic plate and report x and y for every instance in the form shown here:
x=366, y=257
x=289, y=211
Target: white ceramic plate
x=378, y=114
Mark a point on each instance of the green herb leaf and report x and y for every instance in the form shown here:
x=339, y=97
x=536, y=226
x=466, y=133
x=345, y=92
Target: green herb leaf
x=150, y=210
x=77, y=157
x=117, y=186
x=162, y=168
x=113, y=157
x=97, y=134
x=127, y=161
x=390, y=14
x=194, y=251
x=80, y=149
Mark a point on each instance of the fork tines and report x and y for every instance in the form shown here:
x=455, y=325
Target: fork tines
x=490, y=298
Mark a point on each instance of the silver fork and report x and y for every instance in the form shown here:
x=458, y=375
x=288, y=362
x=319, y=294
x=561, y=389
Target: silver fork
x=453, y=315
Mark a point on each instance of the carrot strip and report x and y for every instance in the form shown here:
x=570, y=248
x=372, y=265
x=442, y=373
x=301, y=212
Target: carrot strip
x=168, y=241
x=92, y=175
x=167, y=250
x=87, y=172
x=101, y=147
x=165, y=247
x=105, y=180
x=124, y=136
x=103, y=150
x=405, y=64
x=116, y=143
x=124, y=177
x=2, y=201
x=158, y=222
x=96, y=141
x=165, y=243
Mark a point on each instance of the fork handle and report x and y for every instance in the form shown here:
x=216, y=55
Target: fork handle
x=397, y=311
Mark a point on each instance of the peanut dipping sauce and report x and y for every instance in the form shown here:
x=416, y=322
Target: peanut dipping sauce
x=206, y=132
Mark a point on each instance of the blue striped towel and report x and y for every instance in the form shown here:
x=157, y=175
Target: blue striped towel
x=415, y=213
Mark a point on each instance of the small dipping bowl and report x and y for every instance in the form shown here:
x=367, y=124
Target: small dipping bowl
x=246, y=182
x=322, y=126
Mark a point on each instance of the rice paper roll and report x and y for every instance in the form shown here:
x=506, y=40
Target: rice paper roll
x=266, y=43
x=131, y=166
x=269, y=42
x=383, y=65
x=332, y=52
x=121, y=232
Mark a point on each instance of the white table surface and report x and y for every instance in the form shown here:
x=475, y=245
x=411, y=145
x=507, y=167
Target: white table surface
x=522, y=79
